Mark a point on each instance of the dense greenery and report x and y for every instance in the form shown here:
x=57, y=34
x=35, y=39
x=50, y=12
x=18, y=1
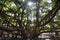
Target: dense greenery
x=29, y=20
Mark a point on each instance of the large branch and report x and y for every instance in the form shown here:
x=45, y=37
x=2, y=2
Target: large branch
x=48, y=15
x=49, y=31
x=54, y=13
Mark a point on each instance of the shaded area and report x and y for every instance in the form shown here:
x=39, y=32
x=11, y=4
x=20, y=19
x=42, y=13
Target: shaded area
x=22, y=21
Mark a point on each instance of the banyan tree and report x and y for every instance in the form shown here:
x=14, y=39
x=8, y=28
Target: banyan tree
x=27, y=19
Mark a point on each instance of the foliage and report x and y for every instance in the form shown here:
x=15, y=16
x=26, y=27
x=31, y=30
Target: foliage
x=30, y=20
